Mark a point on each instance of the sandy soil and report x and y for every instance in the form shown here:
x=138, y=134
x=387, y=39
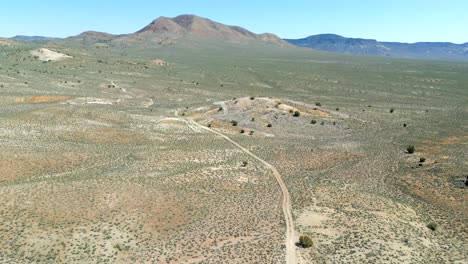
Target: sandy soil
x=49, y=55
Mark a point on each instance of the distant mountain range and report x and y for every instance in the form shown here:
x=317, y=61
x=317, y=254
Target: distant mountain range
x=40, y=39
x=186, y=29
x=189, y=29
x=358, y=46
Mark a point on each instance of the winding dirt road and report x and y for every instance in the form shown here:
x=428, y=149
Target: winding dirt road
x=286, y=204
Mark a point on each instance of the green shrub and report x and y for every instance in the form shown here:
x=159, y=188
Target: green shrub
x=432, y=226
x=410, y=149
x=305, y=241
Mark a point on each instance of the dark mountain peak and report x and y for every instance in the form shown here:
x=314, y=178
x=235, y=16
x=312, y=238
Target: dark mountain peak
x=202, y=28
x=161, y=25
x=186, y=21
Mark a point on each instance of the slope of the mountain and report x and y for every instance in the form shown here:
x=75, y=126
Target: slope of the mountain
x=427, y=50
x=7, y=42
x=92, y=37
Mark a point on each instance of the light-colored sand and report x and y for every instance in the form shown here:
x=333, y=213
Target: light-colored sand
x=49, y=55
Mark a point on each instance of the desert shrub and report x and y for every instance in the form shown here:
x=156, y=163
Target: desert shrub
x=251, y=132
x=209, y=125
x=234, y=123
x=242, y=131
x=244, y=164
x=318, y=104
x=322, y=123
x=297, y=113
x=392, y=110
x=269, y=125
x=337, y=109
x=313, y=122
x=432, y=226
x=252, y=98
x=404, y=125
x=305, y=241
x=252, y=120
x=422, y=159
x=410, y=149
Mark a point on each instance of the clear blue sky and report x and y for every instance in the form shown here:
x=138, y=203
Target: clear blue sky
x=389, y=20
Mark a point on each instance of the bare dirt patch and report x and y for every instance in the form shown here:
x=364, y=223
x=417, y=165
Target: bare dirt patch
x=42, y=99
x=49, y=55
x=159, y=62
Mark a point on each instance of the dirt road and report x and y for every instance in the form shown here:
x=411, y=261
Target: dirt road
x=286, y=204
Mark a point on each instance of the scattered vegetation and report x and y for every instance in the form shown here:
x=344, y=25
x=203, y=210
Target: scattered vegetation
x=410, y=149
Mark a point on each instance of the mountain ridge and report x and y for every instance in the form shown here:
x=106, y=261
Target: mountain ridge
x=372, y=47
x=199, y=27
